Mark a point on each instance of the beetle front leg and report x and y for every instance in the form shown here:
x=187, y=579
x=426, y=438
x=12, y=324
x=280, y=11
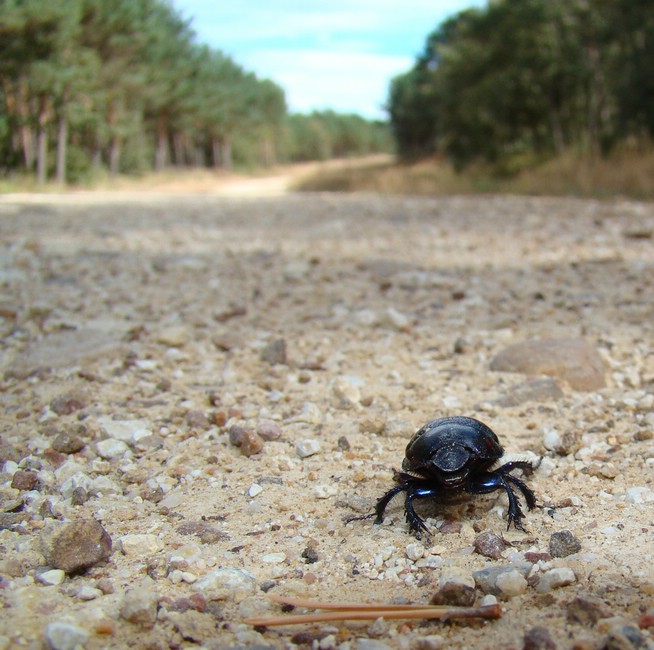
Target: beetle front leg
x=416, y=523
x=382, y=504
x=495, y=481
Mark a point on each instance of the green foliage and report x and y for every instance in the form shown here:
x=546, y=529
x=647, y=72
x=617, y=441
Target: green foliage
x=122, y=85
x=528, y=79
x=321, y=135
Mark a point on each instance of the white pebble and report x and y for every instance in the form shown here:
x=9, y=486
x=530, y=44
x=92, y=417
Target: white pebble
x=555, y=578
x=124, y=430
x=273, y=558
x=65, y=636
x=140, y=545
x=511, y=583
x=226, y=580
x=415, y=551
x=306, y=448
x=52, y=577
x=310, y=413
x=86, y=592
x=391, y=317
x=254, y=490
x=324, y=491
x=639, y=495
x=347, y=391
x=111, y=449
x=552, y=439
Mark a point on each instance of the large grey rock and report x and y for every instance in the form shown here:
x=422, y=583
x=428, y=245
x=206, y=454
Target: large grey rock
x=65, y=349
x=573, y=360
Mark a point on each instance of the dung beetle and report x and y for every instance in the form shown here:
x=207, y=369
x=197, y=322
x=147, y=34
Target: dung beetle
x=449, y=456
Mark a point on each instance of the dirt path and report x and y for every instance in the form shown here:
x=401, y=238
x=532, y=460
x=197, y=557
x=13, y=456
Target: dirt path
x=221, y=381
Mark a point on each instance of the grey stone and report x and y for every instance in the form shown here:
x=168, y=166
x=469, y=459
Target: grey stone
x=486, y=580
x=65, y=636
x=65, y=349
x=564, y=543
x=573, y=360
x=140, y=606
x=541, y=389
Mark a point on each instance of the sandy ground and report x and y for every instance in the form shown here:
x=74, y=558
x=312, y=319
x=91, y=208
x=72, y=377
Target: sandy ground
x=159, y=330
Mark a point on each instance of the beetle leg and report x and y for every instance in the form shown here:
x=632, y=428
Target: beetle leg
x=416, y=523
x=496, y=480
x=528, y=494
x=380, y=508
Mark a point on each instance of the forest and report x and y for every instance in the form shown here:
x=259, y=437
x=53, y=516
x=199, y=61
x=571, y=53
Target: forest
x=123, y=86
x=522, y=81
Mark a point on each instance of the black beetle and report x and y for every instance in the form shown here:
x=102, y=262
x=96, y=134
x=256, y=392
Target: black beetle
x=453, y=455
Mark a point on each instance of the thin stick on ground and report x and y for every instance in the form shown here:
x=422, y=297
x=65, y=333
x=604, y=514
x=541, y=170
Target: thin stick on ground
x=367, y=612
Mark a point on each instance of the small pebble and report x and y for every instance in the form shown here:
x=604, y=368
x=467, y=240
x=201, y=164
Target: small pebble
x=415, y=551
x=556, y=578
x=511, y=583
x=430, y=642
x=638, y=495
x=76, y=546
x=197, y=420
x=584, y=610
x=269, y=429
x=51, y=577
x=140, y=606
x=454, y=593
x=347, y=391
x=625, y=637
x=275, y=353
x=564, y=543
x=489, y=544
x=254, y=490
x=226, y=581
x=24, y=480
x=68, y=443
x=310, y=555
x=273, y=558
x=65, y=636
x=174, y=337
x=140, y=545
x=111, y=449
x=538, y=638
x=343, y=443
x=325, y=491
x=251, y=444
x=86, y=592
x=306, y=448
x=486, y=580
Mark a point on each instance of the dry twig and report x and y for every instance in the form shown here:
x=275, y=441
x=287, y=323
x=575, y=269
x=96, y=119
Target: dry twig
x=367, y=612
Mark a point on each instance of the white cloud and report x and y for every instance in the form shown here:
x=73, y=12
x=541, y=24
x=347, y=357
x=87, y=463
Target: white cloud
x=339, y=55
x=344, y=81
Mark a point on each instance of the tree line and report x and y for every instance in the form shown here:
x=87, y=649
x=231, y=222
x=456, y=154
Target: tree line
x=522, y=80
x=123, y=85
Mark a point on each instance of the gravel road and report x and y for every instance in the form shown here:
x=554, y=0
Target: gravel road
x=199, y=390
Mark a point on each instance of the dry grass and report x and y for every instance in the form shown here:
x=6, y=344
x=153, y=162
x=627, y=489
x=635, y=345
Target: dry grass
x=625, y=173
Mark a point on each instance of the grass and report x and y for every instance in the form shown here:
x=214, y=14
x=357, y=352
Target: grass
x=625, y=173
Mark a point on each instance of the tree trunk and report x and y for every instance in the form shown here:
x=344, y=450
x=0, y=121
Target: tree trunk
x=114, y=156
x=226, y=155
x=27, y=145
x=216, y=152
x=161, y=155
x=268, y=152
x=62, y=144
x=178, y=144
x=42, y=144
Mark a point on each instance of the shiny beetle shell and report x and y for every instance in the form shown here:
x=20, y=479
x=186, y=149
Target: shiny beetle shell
x=451, y=444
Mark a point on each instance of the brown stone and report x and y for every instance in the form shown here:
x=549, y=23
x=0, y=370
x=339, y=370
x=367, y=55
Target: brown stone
x=76, y=546
x=573, y=360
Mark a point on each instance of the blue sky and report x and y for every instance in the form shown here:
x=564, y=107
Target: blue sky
x=339, y=54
